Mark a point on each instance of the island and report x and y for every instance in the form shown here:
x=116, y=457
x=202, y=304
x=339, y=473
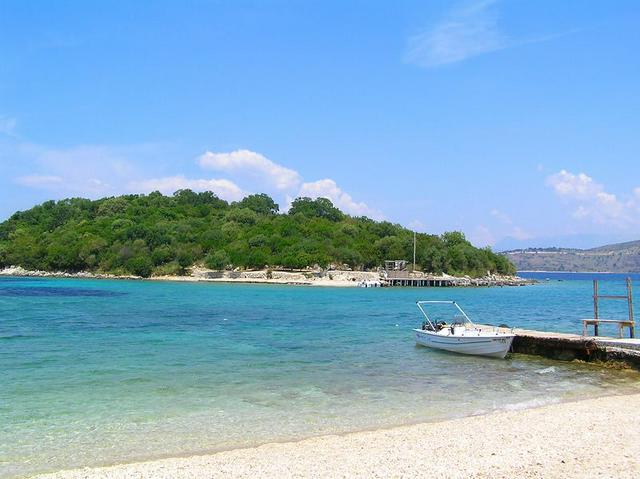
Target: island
x=191, y=235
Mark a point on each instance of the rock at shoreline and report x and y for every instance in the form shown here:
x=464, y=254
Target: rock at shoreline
x=20, y=271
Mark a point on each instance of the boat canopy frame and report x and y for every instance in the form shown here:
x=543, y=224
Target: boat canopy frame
x=433, y=326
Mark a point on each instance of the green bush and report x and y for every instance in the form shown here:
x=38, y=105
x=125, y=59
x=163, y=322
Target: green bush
x=168, y=269
x=140, y=266
x=217, y=260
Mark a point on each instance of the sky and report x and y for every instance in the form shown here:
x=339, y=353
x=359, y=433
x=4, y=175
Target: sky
x=515, y=122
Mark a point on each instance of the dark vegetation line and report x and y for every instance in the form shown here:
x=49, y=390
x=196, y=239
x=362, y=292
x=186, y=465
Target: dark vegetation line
x=163, y=235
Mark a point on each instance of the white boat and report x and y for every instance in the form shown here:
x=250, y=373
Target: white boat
x=461, y=335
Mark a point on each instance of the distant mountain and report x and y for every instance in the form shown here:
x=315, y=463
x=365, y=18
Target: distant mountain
x=615, y=258
x=570, y=241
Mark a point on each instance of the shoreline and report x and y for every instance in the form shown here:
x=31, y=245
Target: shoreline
x=574, y=272
x=333, y=278
x=556, y=440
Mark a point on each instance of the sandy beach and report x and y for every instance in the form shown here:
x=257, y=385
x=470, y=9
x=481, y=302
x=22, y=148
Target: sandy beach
x=591, y=438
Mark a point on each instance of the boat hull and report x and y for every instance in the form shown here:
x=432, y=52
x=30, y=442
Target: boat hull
x=496, y=346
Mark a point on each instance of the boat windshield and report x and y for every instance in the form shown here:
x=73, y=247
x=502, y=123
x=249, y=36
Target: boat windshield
x=440, y=315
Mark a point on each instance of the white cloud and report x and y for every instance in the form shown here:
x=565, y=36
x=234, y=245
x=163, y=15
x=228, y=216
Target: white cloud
x=580, y=186
x=481, y=236
x=98, y=170
x=505, y=218
x=270, y=177
x=225, y=189
x=512, y=230
x=91, y=171
x=85, y=170
x=39, y=181
x=519, y=234
x=254, y=164
x=418, y=226
x=328, y=188
x=466, y=31
x=634, y=203
x=463, y=33
x=591, y=201
x=87, y=158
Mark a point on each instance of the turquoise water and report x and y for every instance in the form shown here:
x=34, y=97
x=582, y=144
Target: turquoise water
x=97, y=372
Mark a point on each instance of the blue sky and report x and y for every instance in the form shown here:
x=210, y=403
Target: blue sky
x=516, y=122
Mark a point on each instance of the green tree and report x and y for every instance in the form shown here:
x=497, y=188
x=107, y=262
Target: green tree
x=140, y=266
x=243, y=216
x=320, y=208
x=259, y=203
x=217, y=260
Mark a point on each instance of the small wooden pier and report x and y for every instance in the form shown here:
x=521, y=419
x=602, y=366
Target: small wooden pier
x=397, y=273
x=568, y=347
x=620, y=323
x=420, y=282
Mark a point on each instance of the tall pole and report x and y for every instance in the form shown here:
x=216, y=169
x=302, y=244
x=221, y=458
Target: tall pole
x=414, y=251
x=630, y=302
x=595, y=306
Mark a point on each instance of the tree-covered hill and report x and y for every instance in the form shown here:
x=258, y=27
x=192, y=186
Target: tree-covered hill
x=614, y=258
x=157, y=235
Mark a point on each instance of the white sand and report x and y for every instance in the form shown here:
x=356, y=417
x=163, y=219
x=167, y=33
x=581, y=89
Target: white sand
x=333, y=278
x=591, y=438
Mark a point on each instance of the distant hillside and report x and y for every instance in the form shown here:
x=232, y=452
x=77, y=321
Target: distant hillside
x=616, y=258
x=164, y=235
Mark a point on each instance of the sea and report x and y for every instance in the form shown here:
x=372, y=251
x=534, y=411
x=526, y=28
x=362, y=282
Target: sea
x=97, y=372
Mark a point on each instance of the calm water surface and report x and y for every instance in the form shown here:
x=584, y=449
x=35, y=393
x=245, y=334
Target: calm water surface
x=96, y=372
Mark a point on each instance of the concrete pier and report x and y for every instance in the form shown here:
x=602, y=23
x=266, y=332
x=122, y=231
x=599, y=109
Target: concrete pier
x=568, y=347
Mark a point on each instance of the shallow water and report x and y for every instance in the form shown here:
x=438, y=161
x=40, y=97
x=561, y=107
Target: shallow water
x=95, y=371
